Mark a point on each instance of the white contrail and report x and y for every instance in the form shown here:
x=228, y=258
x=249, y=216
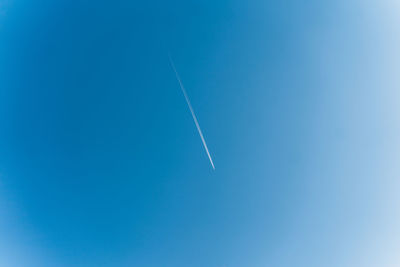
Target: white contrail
x=191, y=111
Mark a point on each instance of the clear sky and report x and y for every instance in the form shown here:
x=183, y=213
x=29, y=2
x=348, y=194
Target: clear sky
x=101, y=163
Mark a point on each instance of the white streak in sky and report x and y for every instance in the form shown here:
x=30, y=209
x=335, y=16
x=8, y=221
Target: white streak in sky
x=191, y=111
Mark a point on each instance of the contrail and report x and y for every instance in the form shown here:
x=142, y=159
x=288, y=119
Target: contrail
x=191, y=111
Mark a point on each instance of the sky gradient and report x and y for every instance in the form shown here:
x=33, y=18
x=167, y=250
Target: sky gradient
x=101, y=163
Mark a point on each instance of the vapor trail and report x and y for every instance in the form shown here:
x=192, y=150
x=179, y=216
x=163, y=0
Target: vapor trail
x=191, y=111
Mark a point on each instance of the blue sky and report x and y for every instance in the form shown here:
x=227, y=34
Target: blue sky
x=101, y=163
